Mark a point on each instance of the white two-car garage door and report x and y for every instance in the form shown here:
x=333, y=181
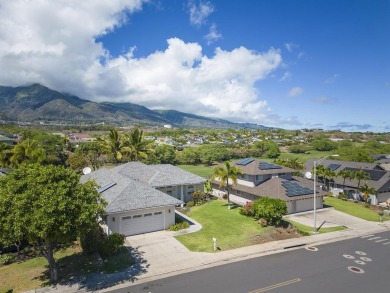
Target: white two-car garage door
x=142, y=223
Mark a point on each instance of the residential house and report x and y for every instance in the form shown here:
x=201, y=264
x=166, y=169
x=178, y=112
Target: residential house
x=142, y=198
x=265, y=179
x=379, y=179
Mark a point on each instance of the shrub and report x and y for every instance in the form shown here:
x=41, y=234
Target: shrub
x=190, y=204
x=111, y=244
x=199, y=197
x=330, y=194
x=366, y=205
x=246, y=210
x=179, y=226
x=224, y=196
x=7, y=259
x=343, y=196
x=270, y=209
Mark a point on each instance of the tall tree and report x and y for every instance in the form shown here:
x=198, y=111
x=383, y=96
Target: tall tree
x=361, y=176
x=47, y=206
x=367, y=190
x=113, y=145
x=344, y=174
x=137, y=147
x=226, y=174
x=328, y=174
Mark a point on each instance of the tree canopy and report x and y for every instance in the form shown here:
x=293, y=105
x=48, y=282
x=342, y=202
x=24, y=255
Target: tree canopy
x=47, y=206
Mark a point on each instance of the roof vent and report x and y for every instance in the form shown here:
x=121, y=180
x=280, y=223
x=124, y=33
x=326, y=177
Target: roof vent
x=106, y=186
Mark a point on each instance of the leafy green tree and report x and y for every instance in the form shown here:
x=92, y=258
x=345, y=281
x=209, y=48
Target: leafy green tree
x=47, y=206
x=77, y=162
x=189, y=156
x=270, y=209
x=297, y=149
x=225, y=174
x=28, y=151
x=5, y=154
x=323, y=144
x=208, y=154
x=92, y=152
x=165, y=154
x=136, y=146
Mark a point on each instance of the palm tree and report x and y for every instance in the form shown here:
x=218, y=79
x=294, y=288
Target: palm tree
x=361, y=176
x=27, y=151
x=137, y=147
x=328, y=174
x=367, y=190
x=113, y=145
x=344, y=174
x=224, y=174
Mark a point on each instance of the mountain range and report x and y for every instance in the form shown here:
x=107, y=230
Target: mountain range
x=38, y=103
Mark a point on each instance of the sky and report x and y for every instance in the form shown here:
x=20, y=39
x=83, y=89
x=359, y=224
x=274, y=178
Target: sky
x=291, y=64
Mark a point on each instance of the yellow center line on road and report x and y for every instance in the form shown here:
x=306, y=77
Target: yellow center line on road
x=265, y=289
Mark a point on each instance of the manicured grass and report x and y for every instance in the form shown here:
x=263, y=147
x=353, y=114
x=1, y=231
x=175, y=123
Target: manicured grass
x=306, y=230
x=199, y=170
x=304, y=157
x=354, y=209
x=32, y=273
x=231, y=229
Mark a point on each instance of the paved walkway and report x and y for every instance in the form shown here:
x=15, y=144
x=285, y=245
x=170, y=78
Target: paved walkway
x=160, y=255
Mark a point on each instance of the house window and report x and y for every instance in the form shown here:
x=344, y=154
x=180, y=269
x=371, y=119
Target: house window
x=147, y=215
x=126, y=218
x=259, y=177
x=157, y=213
x=137, y=216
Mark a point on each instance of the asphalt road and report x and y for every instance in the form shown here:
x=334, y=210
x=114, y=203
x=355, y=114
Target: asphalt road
x=355, y=265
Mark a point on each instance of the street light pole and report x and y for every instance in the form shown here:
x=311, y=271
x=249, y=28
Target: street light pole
x=315, y=187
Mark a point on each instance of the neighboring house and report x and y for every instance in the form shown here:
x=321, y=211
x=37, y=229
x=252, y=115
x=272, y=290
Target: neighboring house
x=265, y=179
x=8, y=140
x=379, y=179
x=136, y=202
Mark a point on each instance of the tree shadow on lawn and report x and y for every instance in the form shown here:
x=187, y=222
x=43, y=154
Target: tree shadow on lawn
x=233, y=206
x=88, y=272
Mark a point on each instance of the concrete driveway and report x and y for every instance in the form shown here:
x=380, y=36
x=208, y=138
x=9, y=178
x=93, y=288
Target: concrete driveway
x=331, y=217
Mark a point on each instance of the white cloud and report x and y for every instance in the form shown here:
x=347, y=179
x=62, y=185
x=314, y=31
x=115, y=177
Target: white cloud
x=286, y=76
x=291, y=46
x=54, y=43
x=199, y=12
x=213, y=35
x=295, y=91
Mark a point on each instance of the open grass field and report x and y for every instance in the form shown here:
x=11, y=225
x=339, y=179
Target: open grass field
x=231, y=229
x=32, y=273
x=354, y=209
x=200, y=170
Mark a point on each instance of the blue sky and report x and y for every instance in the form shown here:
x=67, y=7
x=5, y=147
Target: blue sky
x=282, y=63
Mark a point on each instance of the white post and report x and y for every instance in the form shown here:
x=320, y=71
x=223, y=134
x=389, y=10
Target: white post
x=215, y=243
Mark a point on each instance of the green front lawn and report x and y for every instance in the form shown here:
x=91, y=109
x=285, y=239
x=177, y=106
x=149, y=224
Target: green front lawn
x=306, y=230
x=199, y=170
x=354, y=209
x=231, y=229
x=32, y=273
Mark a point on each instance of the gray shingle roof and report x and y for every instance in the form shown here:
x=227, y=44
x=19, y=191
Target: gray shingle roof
x=128, y=193
x=159, y=175
x=377, y=184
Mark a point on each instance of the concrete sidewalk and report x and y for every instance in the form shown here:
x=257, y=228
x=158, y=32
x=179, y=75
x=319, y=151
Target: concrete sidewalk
x=160, y=255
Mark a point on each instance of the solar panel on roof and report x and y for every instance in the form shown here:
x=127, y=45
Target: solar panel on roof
x=294, y=189
x=245, y=161
x=268, y=166
x=334, y=167
x=374, y=174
